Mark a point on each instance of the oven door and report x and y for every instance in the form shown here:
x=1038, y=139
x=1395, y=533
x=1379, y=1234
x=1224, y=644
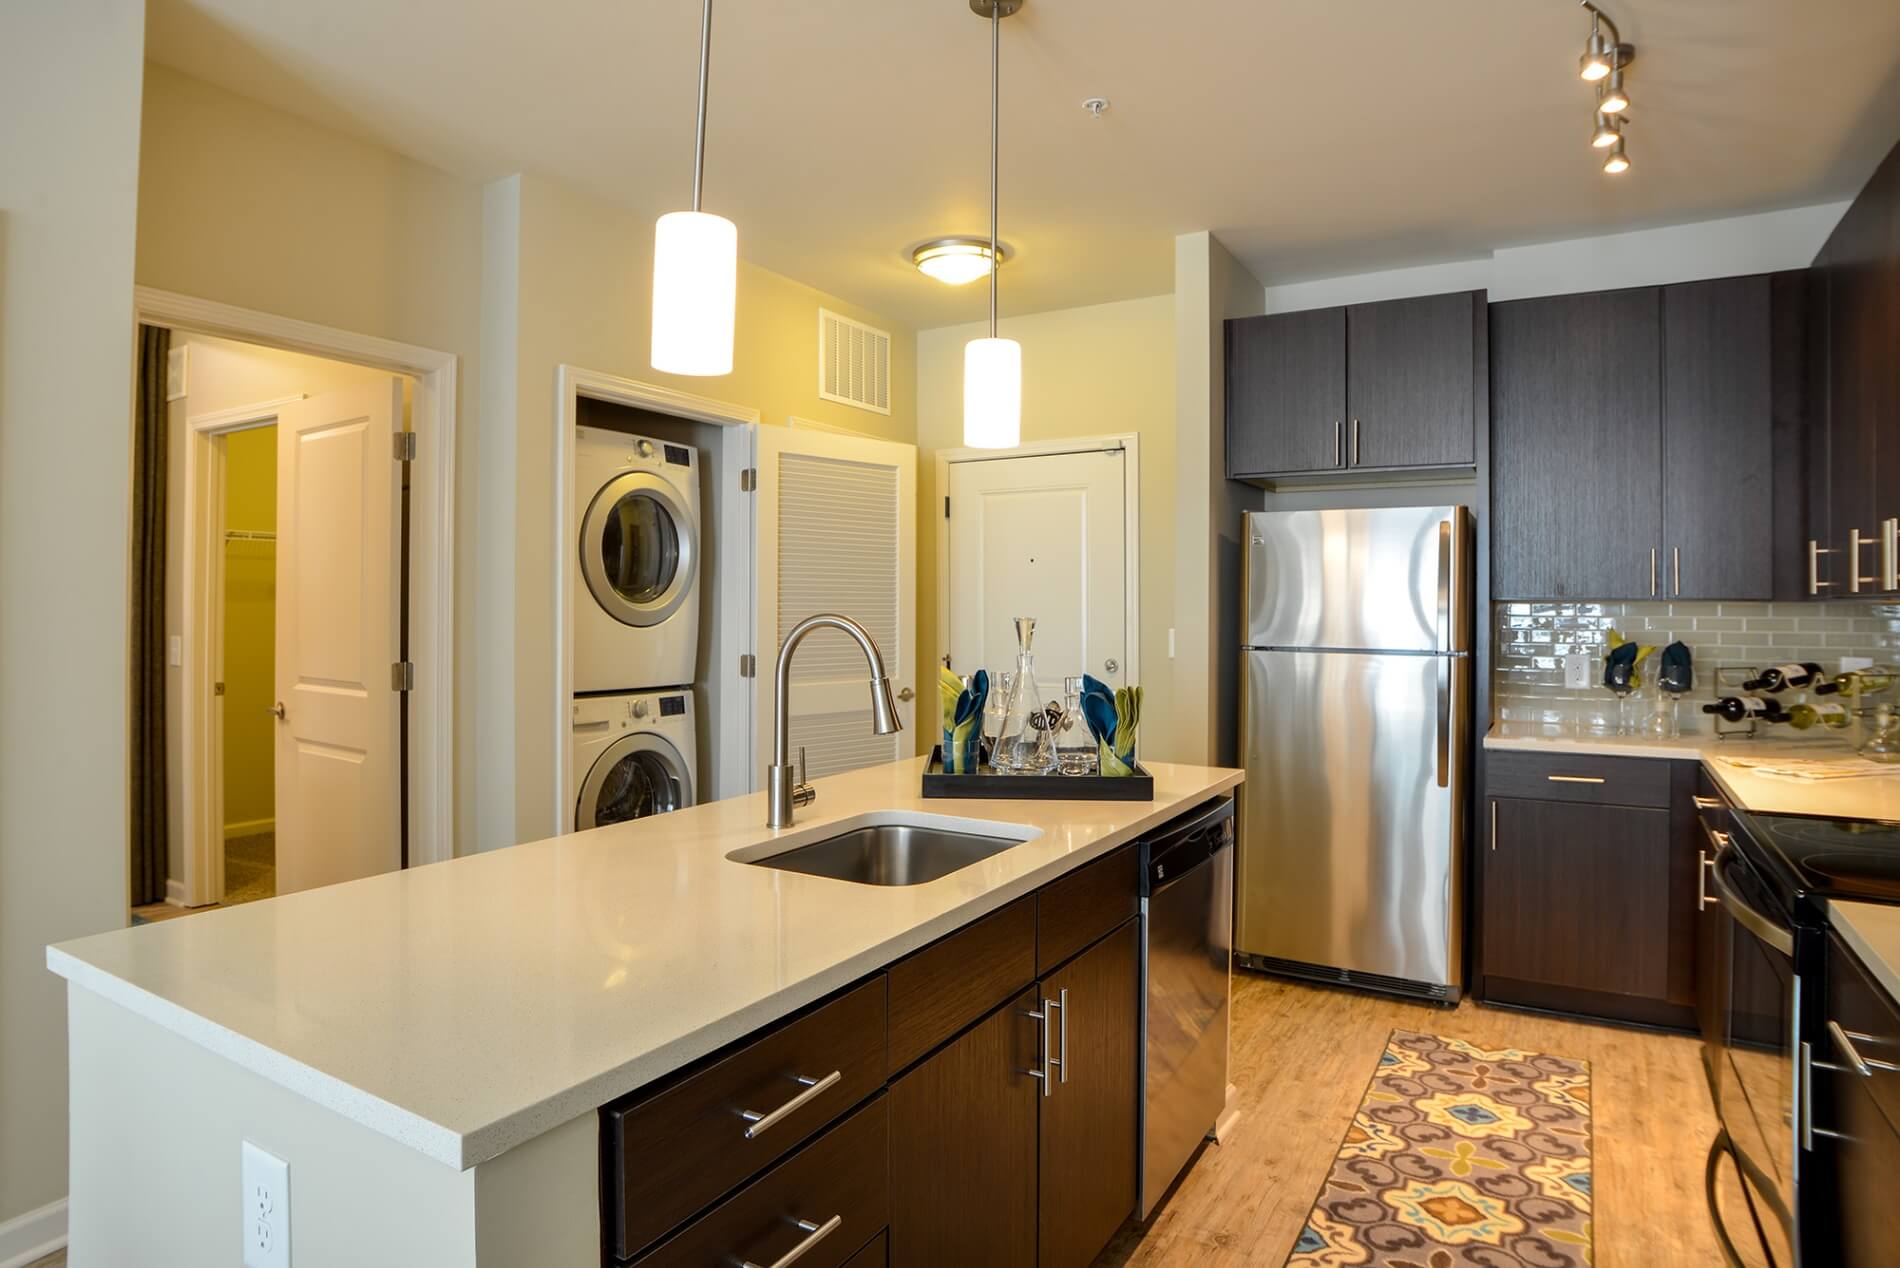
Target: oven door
x=1754, y=1062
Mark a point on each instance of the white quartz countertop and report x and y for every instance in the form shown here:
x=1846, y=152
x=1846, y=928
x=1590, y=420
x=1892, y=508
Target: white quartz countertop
x=1873, y=931
x=1874, y=793
x=468, y=1006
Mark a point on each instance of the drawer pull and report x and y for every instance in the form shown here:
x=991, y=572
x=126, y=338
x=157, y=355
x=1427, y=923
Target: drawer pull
x=1703, y=868
x=1708, y=803
x=818, y=1233
x=1863, y=1066
x=1574, y=779
x=760, y=1122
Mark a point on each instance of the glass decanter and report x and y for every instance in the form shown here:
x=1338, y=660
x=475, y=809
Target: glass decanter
x=1020, y=747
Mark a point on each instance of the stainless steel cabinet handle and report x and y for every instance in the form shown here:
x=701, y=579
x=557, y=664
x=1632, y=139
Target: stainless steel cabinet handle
x=1707, y=803
x=1703, y=866
x=1062, y=1005
x=1339, y=444
x=1815, y=551
x=1355, y=442
x=1652, y=572
x=1044, y=1057
x=1890, y=554
x=1675, y=572
x=1854, y=580
x=1574, y=779
x=1863, y=1066
x=761, y=1123
x=1494, y=823
x=818, y=1234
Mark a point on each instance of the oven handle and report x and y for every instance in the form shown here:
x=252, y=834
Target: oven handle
x=1781, y=939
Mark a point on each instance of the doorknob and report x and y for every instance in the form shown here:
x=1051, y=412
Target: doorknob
x=277, y=710
x=907, y=694
x=1111, y=665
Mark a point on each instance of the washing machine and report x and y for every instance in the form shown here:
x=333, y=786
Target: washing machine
x=636, y=521
x=634, y=756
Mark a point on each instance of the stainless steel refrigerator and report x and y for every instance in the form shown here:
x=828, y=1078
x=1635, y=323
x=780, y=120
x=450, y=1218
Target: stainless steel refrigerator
x=1354, y=727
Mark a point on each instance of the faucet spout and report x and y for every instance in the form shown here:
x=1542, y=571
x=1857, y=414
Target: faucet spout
x=786, y=790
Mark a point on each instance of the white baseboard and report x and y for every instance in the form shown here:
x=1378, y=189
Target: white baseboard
x=174, y=892
x=248, y=828
x=35, y=1235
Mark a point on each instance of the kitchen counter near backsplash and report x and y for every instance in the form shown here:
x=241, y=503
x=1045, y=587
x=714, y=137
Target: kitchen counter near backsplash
x=1531, y=640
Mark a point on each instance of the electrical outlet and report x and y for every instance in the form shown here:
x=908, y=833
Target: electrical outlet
x=266, y=1182
x=1576, y=671
x=1850, y=664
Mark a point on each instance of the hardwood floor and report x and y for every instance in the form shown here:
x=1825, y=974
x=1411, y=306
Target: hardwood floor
x=1302, y=1056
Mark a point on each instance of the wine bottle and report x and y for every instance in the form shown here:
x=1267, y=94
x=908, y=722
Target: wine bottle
x=1854, y=683
x=1782, y=677
x=1832, y=714
x=1744, y=708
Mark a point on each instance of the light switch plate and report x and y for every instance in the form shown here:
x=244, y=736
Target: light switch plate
x=1851, y=663
x=1576, y=671
x=175, y=649
x=266, y=1181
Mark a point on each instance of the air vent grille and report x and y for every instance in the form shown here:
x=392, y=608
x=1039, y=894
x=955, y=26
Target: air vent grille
x=854, y=362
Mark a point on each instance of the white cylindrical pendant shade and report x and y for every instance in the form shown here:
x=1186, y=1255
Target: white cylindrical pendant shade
x=992, y=393
x=695, y=276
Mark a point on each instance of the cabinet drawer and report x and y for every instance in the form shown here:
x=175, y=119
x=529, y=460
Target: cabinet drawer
x=1857, y=1004
x=843, y=1176
x=955, y=980
x=1084, y=905
x=876, y=1255
x=670, y=1153
x=1610, y=781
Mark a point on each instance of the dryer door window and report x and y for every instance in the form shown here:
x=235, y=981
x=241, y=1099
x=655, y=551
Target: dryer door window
x=637, y=549
x=638, y=776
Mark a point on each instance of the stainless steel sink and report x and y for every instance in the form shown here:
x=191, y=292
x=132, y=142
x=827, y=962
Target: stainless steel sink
x=889, y=854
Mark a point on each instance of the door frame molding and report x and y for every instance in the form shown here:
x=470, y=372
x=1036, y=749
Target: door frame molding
x=1130, y=445
x=431, y=756
x=734, y=716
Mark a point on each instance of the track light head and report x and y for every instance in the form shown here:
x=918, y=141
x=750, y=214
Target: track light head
x=1607, y=133
x=1598, y=53
x=1619, y=161
x=1611, y=99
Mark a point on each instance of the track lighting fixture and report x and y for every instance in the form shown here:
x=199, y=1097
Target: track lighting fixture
x=1604, y=60
x=993, y=367
x=695, y=264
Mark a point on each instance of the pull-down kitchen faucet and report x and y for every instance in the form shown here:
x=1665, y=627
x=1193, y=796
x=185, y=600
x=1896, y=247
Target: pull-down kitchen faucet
x=784, y=788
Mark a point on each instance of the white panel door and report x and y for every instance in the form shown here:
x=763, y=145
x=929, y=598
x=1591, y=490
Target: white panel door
x=1042, y=536
x=338, y=737
x=837, y=532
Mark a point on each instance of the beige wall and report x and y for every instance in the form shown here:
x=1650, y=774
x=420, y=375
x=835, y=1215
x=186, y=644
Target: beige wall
x=575, y=275
x=69, y=132
x=1102, y=370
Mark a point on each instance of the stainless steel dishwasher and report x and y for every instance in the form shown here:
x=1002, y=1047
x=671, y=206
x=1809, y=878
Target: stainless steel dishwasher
x=1187, y=924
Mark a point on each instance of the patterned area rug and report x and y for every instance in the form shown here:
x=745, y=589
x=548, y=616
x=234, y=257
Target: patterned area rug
x=250, y=868
x=1459, y=1158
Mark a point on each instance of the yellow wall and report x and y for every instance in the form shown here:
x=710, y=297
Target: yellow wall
x=1102, y=370
x=250, y=630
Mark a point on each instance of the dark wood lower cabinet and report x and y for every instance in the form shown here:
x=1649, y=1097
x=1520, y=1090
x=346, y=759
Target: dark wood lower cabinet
x=963, y=1148
x=1089, y=1117
x=876, y=1254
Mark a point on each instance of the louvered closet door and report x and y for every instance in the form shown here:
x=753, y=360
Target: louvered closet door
x=837, y=533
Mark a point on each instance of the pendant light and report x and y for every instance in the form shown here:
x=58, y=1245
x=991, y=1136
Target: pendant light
x=993, y=367
x=695, y=266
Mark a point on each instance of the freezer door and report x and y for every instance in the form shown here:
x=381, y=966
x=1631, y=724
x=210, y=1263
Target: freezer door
x=1352, y=811
x=1394, y=579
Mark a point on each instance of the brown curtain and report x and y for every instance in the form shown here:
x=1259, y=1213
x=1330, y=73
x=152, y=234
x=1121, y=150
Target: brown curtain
x=150, y=813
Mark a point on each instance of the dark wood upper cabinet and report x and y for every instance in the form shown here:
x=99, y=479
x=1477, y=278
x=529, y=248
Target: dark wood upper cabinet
x=1286, y=392
x=1389, y=386
x=1718, y=449
x=1089, y=1117
x=1409, y=381
x=963, y=1148
x=1576, y=427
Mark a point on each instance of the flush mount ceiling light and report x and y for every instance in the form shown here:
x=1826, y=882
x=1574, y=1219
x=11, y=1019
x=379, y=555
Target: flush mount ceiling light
x=993, y=367
x=1605, y=58
x=957, y=260
x=695, y=265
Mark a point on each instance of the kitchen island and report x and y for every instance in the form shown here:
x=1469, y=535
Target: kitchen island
x=429, y=1049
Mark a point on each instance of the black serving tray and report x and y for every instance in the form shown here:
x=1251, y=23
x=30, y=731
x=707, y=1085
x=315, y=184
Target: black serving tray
x=989, y=785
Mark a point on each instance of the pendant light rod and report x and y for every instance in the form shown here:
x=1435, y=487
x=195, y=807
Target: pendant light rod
x=996, y=44
x=699, y=130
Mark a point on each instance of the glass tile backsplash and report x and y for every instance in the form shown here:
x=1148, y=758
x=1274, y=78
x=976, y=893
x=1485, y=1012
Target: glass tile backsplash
x=1533, y=638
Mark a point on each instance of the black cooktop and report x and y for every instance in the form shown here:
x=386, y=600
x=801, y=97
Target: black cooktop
x=1829, y=858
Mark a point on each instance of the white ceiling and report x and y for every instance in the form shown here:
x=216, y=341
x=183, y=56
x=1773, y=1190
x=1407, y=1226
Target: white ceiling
x=1315, y=137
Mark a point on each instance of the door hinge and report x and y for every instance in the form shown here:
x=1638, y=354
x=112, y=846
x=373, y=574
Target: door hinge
x=946, y=506
x=749, y=480
x=748, y=665
x=405, y=446
x=402, y=676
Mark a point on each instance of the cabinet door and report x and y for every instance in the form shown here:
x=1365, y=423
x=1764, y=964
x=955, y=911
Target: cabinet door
x=1577, y=896
x=1409, y=382
x=1858, y=321
x=1089, y=1117
x=1286, y=392
x=1718, y=441
x=963, y=1149
x=1576, y=441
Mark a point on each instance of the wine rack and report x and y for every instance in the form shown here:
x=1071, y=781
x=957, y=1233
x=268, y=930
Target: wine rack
x=1729, y=680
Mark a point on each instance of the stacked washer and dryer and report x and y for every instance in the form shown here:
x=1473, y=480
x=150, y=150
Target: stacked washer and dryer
x=636, y=627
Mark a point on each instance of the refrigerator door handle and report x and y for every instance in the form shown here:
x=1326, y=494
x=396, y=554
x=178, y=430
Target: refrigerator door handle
x=1444, y=721
x=1444, y=596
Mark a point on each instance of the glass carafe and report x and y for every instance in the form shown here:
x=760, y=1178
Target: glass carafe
x=1021, y=747
x=1075, y=744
